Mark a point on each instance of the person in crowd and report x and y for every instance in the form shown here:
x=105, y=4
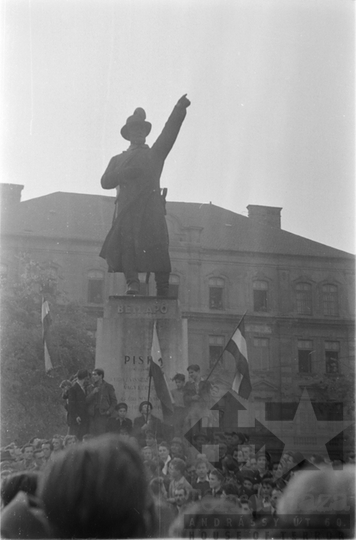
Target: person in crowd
x=119, y=421
x=81, y=497
x=180, y=410
x=57, y=444
x=151, y=441
x=38, y=457
x=248, y=482
x=181, y=495
x=222, y=457
x=276, y=494
x=164, y=510
x=196, y=398
x=24, y=517
x=261, y=502
x=177, y=448
x=47, y=448
x=164, y=457
x=146, y=422
x=78, y=417
x=69, y=440
x=176, y=471
x=216, y=481
x=101, y=401
x=147, y=453
x=201, y=484
x=27, y=463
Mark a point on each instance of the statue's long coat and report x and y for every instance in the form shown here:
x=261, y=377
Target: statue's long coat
x=140, y=208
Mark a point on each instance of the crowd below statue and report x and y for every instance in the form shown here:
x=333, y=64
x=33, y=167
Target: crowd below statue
x=116, y=477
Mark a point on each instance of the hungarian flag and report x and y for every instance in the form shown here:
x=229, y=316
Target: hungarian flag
x=159, y=378
x=46, y=322
x=238, y=348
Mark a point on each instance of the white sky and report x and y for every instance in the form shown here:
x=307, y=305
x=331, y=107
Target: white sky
x=271, y=84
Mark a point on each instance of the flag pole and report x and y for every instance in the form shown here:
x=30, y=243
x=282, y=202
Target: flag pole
x=149, y=390
x=220, y=356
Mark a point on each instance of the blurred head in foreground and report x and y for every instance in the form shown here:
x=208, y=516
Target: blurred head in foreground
x=98, y=489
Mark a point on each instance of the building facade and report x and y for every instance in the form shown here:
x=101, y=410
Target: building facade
x=297, y=295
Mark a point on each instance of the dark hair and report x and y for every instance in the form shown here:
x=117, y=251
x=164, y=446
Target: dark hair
x=179, y=377
x=98, y=490
x=99, y=371
x=193, y=367
x=20, y=481
x=145, y=403
x=48, y=442
x=218, y=474
x=178, y=464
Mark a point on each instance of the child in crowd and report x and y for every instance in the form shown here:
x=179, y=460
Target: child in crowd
x=201, y=484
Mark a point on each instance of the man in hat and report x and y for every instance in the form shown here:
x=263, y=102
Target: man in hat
x=78, y=417
x=146, y=422
x=118, y=421
x=138, y=239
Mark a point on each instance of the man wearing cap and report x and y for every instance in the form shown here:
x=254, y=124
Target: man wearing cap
x=146, y=422
x=138, y=239
x=78, y=417
x=179, y=410
x=118, y=421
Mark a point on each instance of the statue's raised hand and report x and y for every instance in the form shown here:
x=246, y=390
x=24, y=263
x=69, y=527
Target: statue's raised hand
x=183, y=101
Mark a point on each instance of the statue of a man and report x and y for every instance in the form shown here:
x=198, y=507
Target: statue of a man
x=138, y=239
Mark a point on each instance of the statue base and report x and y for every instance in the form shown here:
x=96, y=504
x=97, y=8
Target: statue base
x=124, y=341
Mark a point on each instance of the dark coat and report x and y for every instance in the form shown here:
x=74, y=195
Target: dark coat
x=77, y=405
x=155, y=425
x=103, y=401
x=115, y=425
x=140, y=208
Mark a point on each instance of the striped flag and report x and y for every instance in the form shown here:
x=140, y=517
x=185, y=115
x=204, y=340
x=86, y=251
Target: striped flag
x=238, y=348
x=46, y=322
x=159, y=378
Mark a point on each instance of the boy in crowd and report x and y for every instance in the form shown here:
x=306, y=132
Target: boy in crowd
x=176, y=472
x=261, y=504
x=216, y=480
x=201, y=484
x=180, y=411
x=118, y=421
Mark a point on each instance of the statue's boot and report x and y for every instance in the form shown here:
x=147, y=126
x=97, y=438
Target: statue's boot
x=133, y=286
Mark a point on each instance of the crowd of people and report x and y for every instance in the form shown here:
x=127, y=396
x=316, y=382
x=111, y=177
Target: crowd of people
x=116, y=477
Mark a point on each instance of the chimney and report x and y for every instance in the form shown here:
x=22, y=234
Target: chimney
x=10, y=194
x=265, y=215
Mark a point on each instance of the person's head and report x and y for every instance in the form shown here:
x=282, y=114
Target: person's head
x=38, y=457
x=177, y=447
x=97, y=375
x=26, y=481
x=238, y=455
x=253, y=462
x=163, y=451
x=80, y=496
x=276, y=494
x=47, y=448
x=147, y=453
x=27, y=451
x=158, y=488
x=194, y=372
x=136, y=128
x=261, y=462
x=246, y=507
x=121, y=410
x=266, y=487
x=222, y=449
x=150, y=438
x=70, y=440
x=201, y=469
x=180, y=496
x=82, y=375
x=176, y=468
x=179, y=379
x=248, y=483
x=228, y=437
x=57, y=443
x=237, y=438
x=145, y=408
x=216, y=479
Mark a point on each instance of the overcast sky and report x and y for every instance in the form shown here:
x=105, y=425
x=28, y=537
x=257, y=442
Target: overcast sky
x=271, y=84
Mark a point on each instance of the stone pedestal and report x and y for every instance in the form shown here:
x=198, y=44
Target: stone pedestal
x=124, y=340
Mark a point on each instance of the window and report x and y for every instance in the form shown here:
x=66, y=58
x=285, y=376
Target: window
x=332, y=356
x=95, y=287
x=216, y=347
x=260, y=289
x=304, y=298
x=305, y=351
x=216, y=288
x=173, y=286
x=330, y=300
x=261, y=353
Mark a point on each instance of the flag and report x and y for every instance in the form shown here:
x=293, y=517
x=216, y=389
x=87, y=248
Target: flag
x=159, y=378
x=238, y=348
x=46, y=322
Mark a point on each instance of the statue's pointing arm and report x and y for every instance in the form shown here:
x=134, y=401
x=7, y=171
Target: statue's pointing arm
x=167, y=138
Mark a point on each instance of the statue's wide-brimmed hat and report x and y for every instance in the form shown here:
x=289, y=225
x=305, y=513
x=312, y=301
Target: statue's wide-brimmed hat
x=138, y=117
